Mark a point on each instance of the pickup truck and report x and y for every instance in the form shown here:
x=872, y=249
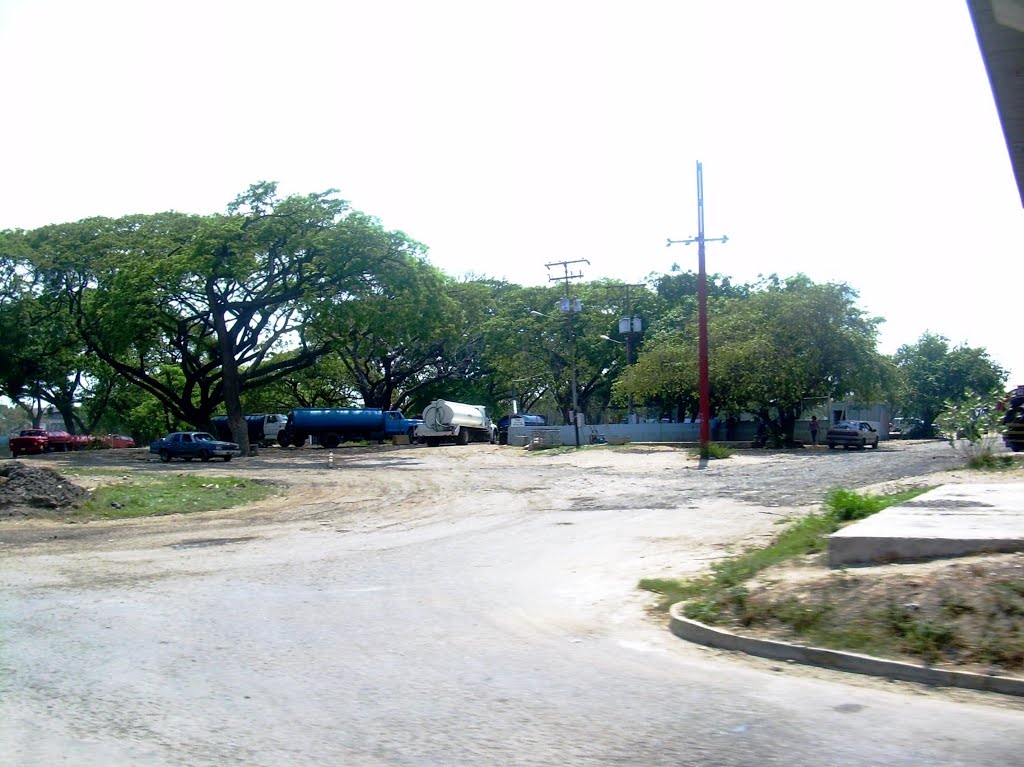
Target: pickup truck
x=193, y=444
x=31, y=441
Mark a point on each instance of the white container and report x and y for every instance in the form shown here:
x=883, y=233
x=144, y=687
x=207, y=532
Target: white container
x=441, y=414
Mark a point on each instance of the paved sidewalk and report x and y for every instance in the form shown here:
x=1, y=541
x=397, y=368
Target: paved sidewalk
x=952, y=520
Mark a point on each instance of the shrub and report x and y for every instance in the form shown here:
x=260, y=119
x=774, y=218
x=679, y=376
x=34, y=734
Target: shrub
x=973, y=427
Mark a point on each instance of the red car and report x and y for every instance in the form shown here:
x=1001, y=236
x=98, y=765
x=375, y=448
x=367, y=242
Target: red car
x=116, y=440
x=31, y=441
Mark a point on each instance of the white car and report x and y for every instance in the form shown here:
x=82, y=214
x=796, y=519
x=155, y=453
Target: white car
x=852, y=434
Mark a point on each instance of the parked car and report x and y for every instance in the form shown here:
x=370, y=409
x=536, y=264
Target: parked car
x=116, y=440
x=852, y=434
x=46, y=441
x=193, y=444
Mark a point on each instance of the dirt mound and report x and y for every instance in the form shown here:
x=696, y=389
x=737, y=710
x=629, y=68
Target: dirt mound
x=27, y=490
x=962, y=613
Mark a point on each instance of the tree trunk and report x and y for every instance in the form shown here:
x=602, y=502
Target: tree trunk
x=787, y=424
x=232, y=384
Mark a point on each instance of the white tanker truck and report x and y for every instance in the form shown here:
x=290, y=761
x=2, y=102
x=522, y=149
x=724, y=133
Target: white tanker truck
x=454, y=422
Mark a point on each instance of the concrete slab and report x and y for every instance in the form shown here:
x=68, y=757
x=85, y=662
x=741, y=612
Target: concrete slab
x=950, y=521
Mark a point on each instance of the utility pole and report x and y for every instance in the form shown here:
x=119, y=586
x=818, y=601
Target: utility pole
x=629, y=326
x=570, y=308
x=702, y=310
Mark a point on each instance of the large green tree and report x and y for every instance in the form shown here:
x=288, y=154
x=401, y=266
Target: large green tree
x=43, y=360
x=771, y=348
x=418, y=333
x=934, y=372
x=217, y=297
x=534, y=346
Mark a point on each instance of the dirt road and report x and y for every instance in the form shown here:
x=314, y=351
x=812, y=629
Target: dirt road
x=457, y=606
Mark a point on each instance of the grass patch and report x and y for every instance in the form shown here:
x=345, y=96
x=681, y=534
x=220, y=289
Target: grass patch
x=846, y=505
x=988, y=461
x=711, y=451
x=84, y=471
x=155, y=496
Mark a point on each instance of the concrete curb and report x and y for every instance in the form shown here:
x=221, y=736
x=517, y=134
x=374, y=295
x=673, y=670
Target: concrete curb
x=700, y=633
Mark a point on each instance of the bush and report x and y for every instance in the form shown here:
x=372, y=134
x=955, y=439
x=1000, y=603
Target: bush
x=986, y=461
x=973, y=426
x=846, y=505
x=713, y=450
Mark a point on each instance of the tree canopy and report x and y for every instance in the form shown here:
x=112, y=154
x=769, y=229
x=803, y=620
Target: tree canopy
x=218, y=298
x=772, y=346
x=160, y=321
x=933, y=372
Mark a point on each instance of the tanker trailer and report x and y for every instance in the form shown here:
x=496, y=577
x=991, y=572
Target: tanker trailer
x=455, y=422
x=332, y=426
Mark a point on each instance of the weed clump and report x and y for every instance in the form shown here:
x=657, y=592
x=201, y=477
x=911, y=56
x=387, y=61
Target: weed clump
x=712, y=450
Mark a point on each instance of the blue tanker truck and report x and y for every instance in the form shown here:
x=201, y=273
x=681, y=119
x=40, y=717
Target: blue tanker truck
x=332, y=426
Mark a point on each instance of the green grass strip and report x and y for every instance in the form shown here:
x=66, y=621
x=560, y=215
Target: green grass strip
x=154, y=496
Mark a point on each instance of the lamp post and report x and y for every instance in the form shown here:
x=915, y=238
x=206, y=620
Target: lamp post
x=702, y=310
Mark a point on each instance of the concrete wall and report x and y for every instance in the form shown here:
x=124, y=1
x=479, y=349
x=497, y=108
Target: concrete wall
x=639, y=432
x=665, y=432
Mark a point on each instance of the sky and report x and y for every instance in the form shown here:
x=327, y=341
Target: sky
x=852, y=142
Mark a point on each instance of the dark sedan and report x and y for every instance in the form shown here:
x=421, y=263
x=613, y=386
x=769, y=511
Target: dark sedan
x=849, y=434
x=193, y=444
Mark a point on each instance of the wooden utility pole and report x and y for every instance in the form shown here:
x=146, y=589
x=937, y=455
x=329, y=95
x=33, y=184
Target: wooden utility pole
x=570, y=308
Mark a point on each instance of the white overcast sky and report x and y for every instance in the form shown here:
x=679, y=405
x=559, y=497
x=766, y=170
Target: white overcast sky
x=854, y=142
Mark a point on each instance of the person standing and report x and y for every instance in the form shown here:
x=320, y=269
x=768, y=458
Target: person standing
x=814, y=431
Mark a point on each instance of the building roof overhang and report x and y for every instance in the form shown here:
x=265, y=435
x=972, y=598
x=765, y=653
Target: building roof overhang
x=999, y=26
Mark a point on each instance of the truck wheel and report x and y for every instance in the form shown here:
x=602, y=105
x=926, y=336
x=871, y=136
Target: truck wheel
x=165, y=456
x=282, y=440
x=464, y=436
x=330, y=440
x=204, y=456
